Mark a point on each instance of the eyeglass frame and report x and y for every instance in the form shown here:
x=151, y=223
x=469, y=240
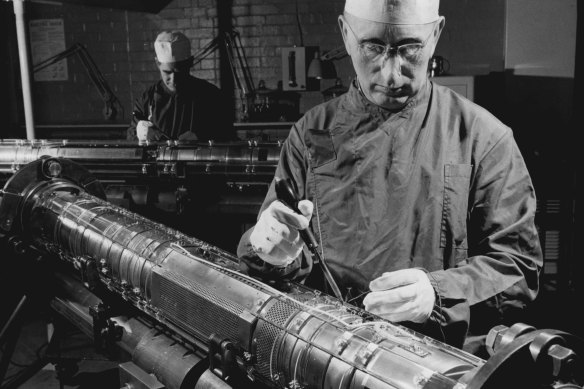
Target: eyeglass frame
x=393, y=50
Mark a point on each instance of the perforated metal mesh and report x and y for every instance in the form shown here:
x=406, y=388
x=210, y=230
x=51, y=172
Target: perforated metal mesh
x=269, y=334
x=194, y=307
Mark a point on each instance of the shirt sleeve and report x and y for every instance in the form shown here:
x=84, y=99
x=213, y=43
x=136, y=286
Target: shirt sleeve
x=138, y=111
x=504, y=260
x=291, y=165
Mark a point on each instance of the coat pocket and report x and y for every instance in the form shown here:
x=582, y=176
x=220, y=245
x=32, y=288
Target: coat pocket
x=320, y=147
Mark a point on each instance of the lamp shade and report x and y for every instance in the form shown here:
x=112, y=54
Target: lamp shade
x=321, y=69
x=315, y=67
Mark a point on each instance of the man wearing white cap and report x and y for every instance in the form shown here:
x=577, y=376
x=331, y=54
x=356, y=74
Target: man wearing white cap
x=179, y=106
x=422, y=202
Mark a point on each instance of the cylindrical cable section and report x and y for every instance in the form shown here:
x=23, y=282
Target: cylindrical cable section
x=293, y=339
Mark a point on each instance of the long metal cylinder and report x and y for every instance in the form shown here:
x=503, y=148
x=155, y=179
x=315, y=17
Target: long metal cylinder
x=295, y=339
x=240, y=160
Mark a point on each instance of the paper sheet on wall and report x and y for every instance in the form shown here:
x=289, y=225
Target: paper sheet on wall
x=47, y=38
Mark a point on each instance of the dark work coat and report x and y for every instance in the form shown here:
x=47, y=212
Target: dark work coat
x=440, y=185
x=198, y=107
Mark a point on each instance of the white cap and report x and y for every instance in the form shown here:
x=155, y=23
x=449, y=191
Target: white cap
x=172, y=46
x=394, y=11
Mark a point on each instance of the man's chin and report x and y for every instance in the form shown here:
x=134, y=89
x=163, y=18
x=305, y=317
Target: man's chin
x=390, y=102
x=171, y=88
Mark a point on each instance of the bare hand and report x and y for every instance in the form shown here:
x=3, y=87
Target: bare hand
x=402, y=295
x=275, y=237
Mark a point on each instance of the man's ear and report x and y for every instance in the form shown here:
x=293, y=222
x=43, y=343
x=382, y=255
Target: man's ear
x=342, y=26
x=437, y=32
x=441, y=25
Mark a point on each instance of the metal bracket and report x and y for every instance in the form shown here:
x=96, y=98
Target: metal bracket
x=221, y=356
x=105, y=331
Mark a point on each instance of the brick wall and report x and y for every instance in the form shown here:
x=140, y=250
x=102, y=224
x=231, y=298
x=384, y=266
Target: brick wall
x=121, y=44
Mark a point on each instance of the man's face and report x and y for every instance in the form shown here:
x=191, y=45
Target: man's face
x=173, y=75
x=389, y=78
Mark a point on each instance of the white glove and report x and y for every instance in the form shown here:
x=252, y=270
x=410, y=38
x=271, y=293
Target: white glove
x=275, y=237
x=402, y=295
x=145, y=130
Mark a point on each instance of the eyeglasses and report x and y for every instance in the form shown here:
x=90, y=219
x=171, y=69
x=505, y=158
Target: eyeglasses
x=409, y=52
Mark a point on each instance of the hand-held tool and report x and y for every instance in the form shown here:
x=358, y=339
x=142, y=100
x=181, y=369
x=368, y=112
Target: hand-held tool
x=286, y=195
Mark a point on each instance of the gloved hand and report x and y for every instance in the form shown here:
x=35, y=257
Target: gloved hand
x=275, y=237
x=145, y=130
x=188, y=136
x=402, y=295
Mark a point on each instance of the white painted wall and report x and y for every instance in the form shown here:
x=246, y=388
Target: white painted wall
x=541, y=37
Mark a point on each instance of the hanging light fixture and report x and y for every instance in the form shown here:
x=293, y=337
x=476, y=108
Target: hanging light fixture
x=315, y=67
x=322, y=67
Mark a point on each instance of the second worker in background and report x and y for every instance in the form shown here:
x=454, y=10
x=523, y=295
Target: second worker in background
x=179, y=106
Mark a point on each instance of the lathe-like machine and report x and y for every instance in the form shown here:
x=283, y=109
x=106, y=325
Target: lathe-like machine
x=185, y=316
x=168, y=181
x=243, y=165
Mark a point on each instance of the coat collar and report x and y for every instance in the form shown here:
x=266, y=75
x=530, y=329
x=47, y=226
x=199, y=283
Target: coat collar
x=357, y=102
